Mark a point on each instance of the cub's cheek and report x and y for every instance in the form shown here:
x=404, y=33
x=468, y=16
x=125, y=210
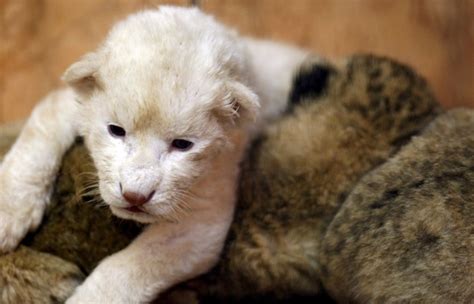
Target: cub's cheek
x=111, y=197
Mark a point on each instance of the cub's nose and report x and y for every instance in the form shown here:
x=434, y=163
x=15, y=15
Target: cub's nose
x=137, y=199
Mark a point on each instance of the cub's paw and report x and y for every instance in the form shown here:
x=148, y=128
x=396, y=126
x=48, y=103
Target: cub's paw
x=65, y=287
x=19, y=214
x=12, y=231
x=29, y=276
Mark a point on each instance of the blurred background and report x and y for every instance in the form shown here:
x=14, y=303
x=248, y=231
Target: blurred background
x=39, y=39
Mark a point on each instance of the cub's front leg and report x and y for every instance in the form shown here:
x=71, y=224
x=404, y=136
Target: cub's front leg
x=162, y=256
x=29, y=169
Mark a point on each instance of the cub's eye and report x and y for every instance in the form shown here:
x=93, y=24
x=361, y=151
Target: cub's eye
x=116, y=131
x=181, y=144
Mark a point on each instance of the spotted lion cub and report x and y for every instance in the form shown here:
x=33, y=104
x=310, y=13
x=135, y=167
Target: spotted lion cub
x=166, y=106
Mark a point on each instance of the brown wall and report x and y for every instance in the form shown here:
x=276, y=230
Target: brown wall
x=40, y=38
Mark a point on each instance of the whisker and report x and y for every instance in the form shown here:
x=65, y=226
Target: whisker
x=88, y=173
x=94, y=186
x=92, y=193
x=89, y=191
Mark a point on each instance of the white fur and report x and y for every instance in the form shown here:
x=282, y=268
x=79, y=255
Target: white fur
x=160, y=74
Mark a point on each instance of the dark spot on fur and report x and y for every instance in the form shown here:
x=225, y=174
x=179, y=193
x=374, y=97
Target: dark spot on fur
x=391, y=194
x=416, y=118
x=354, y=106
x=402, y=71
x=76, y=276
x=375, y=88
x=379, y=222
x=377, y=204
x=403, y=139
x=418, y=184
x=349, y=76
x=339, y=246
x=404, y=96
x=341, y=197
x=310, y=83
x=375, y=73
x=454, y=175
x=54, y=300
x=427, y=239
x=388, y=196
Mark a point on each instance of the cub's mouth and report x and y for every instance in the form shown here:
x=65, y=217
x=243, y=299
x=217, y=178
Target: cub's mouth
x=134, y=209
x=133, y=213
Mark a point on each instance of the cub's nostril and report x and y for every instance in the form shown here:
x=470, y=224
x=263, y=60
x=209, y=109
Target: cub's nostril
x=137, y=199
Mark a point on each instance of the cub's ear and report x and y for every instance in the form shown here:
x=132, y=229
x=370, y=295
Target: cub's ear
x=82, y=76
x=239, y=106
x=311, y=81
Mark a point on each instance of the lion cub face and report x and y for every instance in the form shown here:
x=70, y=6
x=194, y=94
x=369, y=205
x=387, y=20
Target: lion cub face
x=159, y=101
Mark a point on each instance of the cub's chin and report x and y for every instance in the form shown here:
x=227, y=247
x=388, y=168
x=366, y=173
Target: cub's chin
x=134, y=215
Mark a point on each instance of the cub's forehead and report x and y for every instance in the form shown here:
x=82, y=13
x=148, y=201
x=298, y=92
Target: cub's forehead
x=163, y=108
x=174, y=41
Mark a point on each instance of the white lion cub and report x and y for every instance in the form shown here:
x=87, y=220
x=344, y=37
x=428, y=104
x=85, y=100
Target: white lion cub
x=166, y=106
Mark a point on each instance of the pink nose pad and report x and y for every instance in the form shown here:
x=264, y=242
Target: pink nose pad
x=137, y=199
